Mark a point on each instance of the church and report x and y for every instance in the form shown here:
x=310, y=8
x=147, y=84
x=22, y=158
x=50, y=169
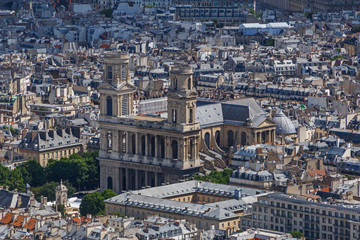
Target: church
x=138, y=151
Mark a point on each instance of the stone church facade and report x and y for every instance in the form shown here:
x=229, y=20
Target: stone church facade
x=138, y=151
x=141, y=151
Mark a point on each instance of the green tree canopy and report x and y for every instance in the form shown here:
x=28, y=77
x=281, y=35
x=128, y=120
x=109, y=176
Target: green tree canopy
x=16, y=180
x=222, y=177
x=296, y=234
x=92, y=203
x=33, y=173
x=108, y=193
x=82, y=171
x=107, y=12
x=48, y=190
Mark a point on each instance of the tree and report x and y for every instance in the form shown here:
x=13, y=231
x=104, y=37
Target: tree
x=107, y=12
x=222, y=177
x=108, y=193
x=61, y=209
x=48, y=190
x=16, y=180
x=296, y=234
x=92, y=203
x=4, y=175
x=33, y=173
x=82, y=171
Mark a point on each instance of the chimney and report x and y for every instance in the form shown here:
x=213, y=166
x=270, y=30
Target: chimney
x=45, y=200
x=19, y=201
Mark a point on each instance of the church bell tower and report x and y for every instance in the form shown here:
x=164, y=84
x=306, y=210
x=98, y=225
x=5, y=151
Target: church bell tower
x=182, y=97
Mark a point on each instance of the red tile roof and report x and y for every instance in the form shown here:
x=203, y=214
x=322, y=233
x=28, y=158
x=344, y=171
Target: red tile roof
x=314, y=173
x=7, y=218
x=81, y=220
x=18, y=221
x=30, y=224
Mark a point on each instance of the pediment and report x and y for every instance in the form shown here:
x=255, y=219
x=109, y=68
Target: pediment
x=123, y=86
x=266, y=123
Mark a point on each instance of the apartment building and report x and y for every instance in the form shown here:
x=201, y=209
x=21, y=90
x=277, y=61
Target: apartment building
x=315, y=220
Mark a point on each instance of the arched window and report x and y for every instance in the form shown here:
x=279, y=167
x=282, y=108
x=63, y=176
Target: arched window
x=109, y=142
x=207, y=139
x=189, y=84
x=243, y=138
x=109, y=106
x=109, y=183
x=174, y=116
x=123, y=142
x=191, y=112
x=190, y=153
x=217, y=137
x=230, y=138
x=174, y=146
x=109, y=72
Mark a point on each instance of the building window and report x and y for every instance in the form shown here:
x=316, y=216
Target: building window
x=191, y=115
x=124, y=105
x=109, y=106
x=109, y=72
x=123, y=72
x=174, y=116
x=174, y=146
x=109, y=183
x=230, y=138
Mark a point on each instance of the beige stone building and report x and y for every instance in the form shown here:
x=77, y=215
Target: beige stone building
x=137, y=151
x=208, y=205
x=140, y=151
x=49, y=144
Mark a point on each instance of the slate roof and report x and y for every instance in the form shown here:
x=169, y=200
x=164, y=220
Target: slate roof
x=232, y=112
x=48, y=139
x=9, y=199
x=155, y=198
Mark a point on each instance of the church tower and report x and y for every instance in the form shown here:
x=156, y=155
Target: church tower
x=116, y=94
x=61, y=194
x=182, y=98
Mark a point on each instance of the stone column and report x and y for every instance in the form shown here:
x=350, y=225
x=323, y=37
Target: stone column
x=116, y=182
x=136, y=179
x=120, y=140
x=146, y=178
x=156, y=146
x=156, y=179
x=103, y=140
x=103, y=181
x=127, y=179
x=115, y=141
x=192, y=148
x=120, y=180
x=146, y=145
x=196, y=147
x=127, y=142
x=273, y=136
x=137, y=144
x=166, y=143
